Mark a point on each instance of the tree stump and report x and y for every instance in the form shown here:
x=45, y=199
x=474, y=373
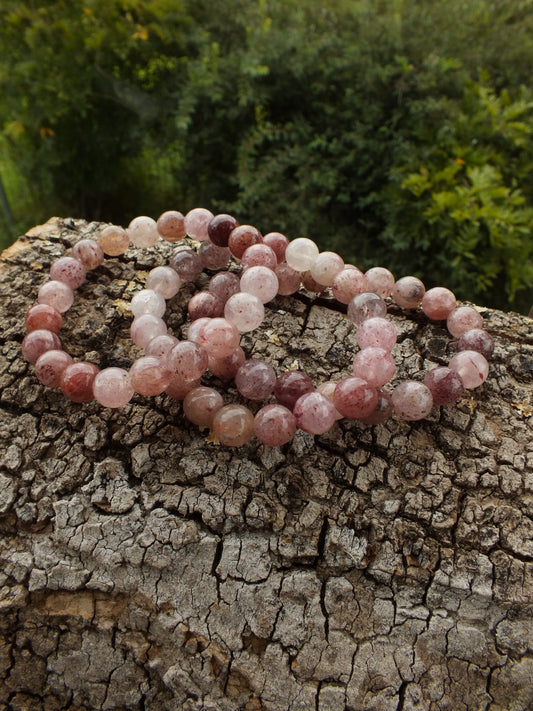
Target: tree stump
x=143, y=566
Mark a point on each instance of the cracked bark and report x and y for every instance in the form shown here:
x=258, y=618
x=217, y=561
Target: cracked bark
x=143, y=567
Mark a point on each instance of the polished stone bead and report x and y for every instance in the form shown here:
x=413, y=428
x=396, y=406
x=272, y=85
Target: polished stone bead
x=187, y=361
x=197, y=222
x=213, y=257
x=68, y=270
x=354, y=398
x=201, y=404
x=412, y=400
x=382, y=411
x=259, y=255
x=112, y=387
x=219, y=338
x=233, y=425
x=408, y=292
x=56, y=294
x=164, y=280
x=380, y=281
x=113, y=240
x=445, y=385
x=143, y=231
x=171, y=226
x=314, y=413
x=292, y=385
x=186, y=263
x=477, y=340
x=243, y=237
x=43, y=316
x=37, y=342
x=150, y=376
x=471, y=366
x=376, y=332
x=178, y=388
x=301, y=253
x=261, y=282
x=194, y=333
x=278, y=243
x=255, y=379
x=160, y=346
x=311, y=284
x=204, y=304
x=76, y=381
x=348, y=283
x=148, y=301
x=226, y=367
x=366, y=305
x=220, y=228
x=89, y=253
x=328, y=389
x=462, y=319
x=274, y=425
x=50, y=366
x=325, y=267
x=289, y=279
x=375, y=365
x=145, y=328
x=224, y=285
x=438, y=303
x=245, y=311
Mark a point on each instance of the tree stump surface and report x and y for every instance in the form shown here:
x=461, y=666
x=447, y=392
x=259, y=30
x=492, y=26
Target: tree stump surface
x=145, y=567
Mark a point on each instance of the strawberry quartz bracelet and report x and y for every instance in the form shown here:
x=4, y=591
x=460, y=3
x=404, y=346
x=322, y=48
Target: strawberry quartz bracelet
x=233, y=304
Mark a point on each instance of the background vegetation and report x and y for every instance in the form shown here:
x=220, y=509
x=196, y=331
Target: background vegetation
x=397, y=132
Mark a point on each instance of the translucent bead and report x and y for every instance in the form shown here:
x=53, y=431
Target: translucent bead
x=68, y=270
x=278, y=243
x=311, y=284
x=382, y=411
x=112, y=387
x=301, y=253
x=196, y=223
x=226, y=367
x=408, y=292
x=354, y=398
x=76, y=381
x=255, y=379
x=201, y=404
x=204, y=304
x=148, y=301
x=412, y=400
x=164, y=280
x=171, y=226
x=56, y=294
x=160, y=346
x=213, y=257
x=113, y=240
x=376, y=332
x=261, y=282
x=50, y=366
x=145, y=328
x=219, y=338
x=89, y=253
x=328, y=389
x=143, y=231
x=259, y=255
x=150, y=376
x=37, y=342
x=43, y=316
x=348, y=283
x=233, y=425
x=314, y=413
x=289, y=279
x=380, y=281
x=220, y=228
x=194, y=333
x=375, y=365
x=366, y=305
x=178, y=388
x=445, y=385
x=438, y=303
x=471, y=366
x=462, y=319
x=186, y=263
x=290, y=386
x=243, y=237
x=224, y=285
x=187, y=361
x=326, y=267
x=244, y=311
x=477, y=340
x=274, y=425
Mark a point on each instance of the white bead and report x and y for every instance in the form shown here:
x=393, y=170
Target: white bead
x=301, y=253
x=148, y=301
x=142, y=231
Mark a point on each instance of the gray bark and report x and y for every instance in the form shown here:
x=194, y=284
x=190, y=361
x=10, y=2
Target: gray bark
x=143, y=566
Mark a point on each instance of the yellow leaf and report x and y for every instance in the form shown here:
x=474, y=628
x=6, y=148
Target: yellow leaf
x=140, y=33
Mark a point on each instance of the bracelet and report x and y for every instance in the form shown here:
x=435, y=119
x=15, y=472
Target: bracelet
x=271, y=266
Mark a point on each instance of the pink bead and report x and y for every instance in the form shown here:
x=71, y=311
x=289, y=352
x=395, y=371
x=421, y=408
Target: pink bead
x=171, y=226
x=113, y=240
x=412, y=400
x=376, y=332
x=259, y=255
x=43, y=316
x=204, y=304
x=472, y=367
x=477, y=340
x=326, y=267
x=226, y=367
x=68, y=270
x=76, y=381
x=382, y=411
x=201, y=404
x=291, y=385
x=311, y=284
x=348, y=284
x=186, y=263
x=380, y=281
x=445, y=385
x=89, y=253
x=50, y=366
x=219, y=338
x=224, y=285
x=255, y=379
x=261, y=282
x=194, y=333
x=37, y=342
x=178, y=389
x=354, y=398
x=220, y=228
x=160, y=346
x=243, y=237
x=328, y=389
x=187, y=361
x=275, y=425
x=245, y=311
x=56, y=294
x=112, y=387
x=462, y=319
x=145, y=328
x=438, y=303
x=288, y=279
x=164, y=281
x=375, y=365
x=150, y=376
x=233, y=425
x=148, y=301
x=196, y=223
x=301, y=253
x=213, y=257
x=314, y=413
x=278, y=243
x=364, y=306
x=142, y=231
x=408, y=292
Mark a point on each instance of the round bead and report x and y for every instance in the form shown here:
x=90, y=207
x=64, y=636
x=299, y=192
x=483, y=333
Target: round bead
x=382, y=411
x=50, y=366
x=178, y=389
x=224, y=285
x=412, y=400
x=255, y=379
x=145, y=328
x=219, y=338
x=76, y=381
x=186, y=263
x=187, y=361
x=213, y=257
x=438, y=303
x=196, y=223
x=274, y=425
x=148, y=301
x=261, y=282
x=56, y=294
x=288, y=279
x=164, y=280
x=380, y=281
x=311, y=284
x=201, y=404
x=301, y=253
x=160, y=346
x=220, y=228
x=113, y=240
x=328, y=389
x=89, y=253
x=354, y=398
x=194, y=333
x=204, y=304
x=149, y=376
x=43, y=316
x=226, y=367
x=366, y=305
x=376, y=332
x=375, y=365
x=462, y=319
x=233, y=425
x=314, y=413
x=445, y=385
x=68, y=270
x=243, y=237
x=408, y=292
x=259, y=255
x=278, y=243
x=112, y=387
x=37, y=342
x=326, y=267
x=471, y=366
x=244, y=311
x=171, y=226
x=143, y=231
x=348, y=283
x=291, y=385
x=477, y=340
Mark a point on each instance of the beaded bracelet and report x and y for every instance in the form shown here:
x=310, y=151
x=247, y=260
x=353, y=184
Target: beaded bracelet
x=271, y=265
